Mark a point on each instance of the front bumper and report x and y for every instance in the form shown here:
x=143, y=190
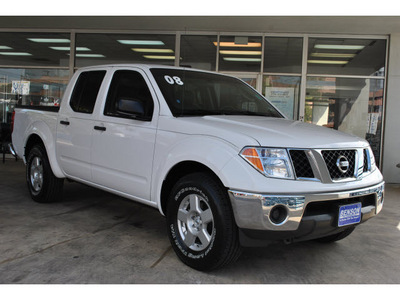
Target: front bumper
x=253, y=211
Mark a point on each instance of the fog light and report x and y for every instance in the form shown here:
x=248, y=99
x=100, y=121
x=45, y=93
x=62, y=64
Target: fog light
x=278, y=215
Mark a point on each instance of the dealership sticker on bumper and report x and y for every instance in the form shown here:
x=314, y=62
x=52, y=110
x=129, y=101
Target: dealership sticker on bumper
x=349, y=214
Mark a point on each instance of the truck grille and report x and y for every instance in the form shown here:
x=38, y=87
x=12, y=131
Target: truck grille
x=335, y=157
x=301, y=164
x=366, y=167
x=333, y=165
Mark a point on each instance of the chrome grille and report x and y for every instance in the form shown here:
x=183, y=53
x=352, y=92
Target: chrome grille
x=331, y=158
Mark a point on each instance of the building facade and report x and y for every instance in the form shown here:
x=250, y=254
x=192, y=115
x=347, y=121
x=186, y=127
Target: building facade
x=314, y=70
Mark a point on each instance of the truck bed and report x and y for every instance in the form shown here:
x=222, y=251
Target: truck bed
x=36, y=107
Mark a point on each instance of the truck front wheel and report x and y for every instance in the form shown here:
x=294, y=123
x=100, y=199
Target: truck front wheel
x=200, y=222
x=43, y=186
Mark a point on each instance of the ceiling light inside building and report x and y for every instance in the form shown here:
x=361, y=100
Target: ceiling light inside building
x=43, y=40
x=15, y=53
x=244, y=59
x=334, y=55
x=68, y=48
x=339, y=47
x=168, y=57
x=141, y=42
x=232, y=44
x=234, y=52
x=5, y=48
x=329, y=62
x=89, y=55
x=150, y=50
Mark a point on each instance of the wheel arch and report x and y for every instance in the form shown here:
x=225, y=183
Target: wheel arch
x=32, y=140
x=178, y=171
x=35, y=139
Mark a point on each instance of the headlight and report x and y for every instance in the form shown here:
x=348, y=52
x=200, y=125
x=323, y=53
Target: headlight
x=271, y=162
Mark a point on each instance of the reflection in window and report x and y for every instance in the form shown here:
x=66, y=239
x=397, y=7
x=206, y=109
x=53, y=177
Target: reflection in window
x=283, y=92
x=346, y=56
x=131, y=89
x=351, y=105
x=198, y=51
x=85, y=92
x=240, y=53
x=34, y=49
x=250, y=80
x=38, y=87
x=283, y=54
x=124, y=48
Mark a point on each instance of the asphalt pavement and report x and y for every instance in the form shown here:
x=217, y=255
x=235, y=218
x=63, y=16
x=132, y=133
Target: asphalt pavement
x=94, y=237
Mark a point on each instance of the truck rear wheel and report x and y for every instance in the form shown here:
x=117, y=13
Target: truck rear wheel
x=43, y=186
x=200, y=222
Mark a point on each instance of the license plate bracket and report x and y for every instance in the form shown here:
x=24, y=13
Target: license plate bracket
x=349, y=214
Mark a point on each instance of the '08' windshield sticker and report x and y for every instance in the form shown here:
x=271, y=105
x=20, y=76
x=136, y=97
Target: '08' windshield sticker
x=173, y=80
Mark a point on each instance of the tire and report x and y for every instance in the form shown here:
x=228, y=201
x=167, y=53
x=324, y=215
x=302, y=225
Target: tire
x=43, y=186
x=336, y=237
x=200, y=223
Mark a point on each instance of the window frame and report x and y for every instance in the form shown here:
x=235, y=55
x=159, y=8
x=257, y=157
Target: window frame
x=77, y=82
x=111, y=101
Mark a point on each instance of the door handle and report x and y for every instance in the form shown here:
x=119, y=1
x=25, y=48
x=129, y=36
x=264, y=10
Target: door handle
x=101, y=128
x=66, y=123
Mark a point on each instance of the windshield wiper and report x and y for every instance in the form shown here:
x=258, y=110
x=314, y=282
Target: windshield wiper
x=198, y=112
x=243, y=113
x=204, y=112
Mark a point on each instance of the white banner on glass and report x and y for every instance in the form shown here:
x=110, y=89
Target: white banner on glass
x=282, y=98
x=20, y=87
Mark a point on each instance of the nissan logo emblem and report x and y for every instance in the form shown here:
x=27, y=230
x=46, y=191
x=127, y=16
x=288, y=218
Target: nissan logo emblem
x=343, y=164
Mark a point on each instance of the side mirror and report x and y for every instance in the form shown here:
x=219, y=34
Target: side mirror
x=133, y=108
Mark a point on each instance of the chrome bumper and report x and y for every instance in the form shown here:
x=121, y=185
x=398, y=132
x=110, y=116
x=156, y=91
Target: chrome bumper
x=253, y=211
x=11, y=149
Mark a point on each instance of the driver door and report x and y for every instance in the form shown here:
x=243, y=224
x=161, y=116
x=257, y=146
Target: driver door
x=123, y=142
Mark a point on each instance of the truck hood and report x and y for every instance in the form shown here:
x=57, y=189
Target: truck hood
x=263, y=131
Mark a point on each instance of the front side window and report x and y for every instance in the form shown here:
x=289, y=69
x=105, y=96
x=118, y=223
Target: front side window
x=85, y=92
x=129, y=97
x=190, y=93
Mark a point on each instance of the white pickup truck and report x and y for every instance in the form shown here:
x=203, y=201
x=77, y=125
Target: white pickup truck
x=224, y=166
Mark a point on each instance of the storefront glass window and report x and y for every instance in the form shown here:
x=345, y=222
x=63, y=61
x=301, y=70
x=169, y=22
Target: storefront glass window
x=32, y=87
x=240, y=53
x=34, y=49
x=351, y=105
x=250, y=80
x=94, y=49
x=283, y=54
x=199, y=51
x=283, y=92
x=364, y=57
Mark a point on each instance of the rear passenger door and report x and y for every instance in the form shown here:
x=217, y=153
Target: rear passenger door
x=74, y=131
x=123, y=142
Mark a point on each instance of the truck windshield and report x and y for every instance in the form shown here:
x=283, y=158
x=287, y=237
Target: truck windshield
x=191, y=93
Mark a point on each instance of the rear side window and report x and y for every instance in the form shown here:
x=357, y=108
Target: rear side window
x=85, y=92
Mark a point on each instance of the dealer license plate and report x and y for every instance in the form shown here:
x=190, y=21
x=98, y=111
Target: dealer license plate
x=349, y=214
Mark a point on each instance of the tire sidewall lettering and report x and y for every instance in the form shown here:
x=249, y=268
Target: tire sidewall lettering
x=177, y=239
